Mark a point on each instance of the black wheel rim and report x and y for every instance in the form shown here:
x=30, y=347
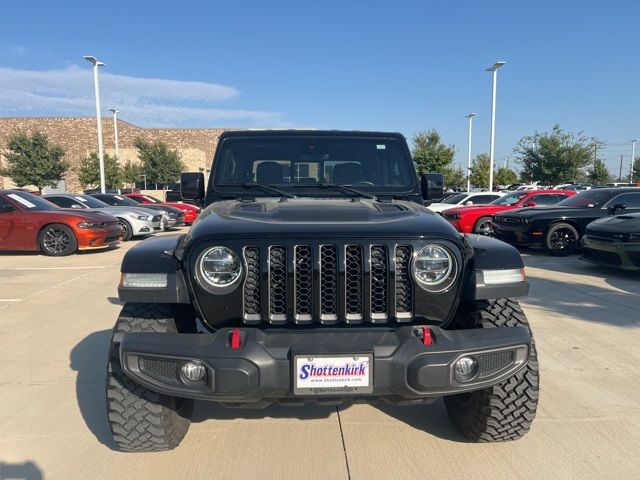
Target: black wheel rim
x=563, y=238
x=56, y=240
x=485, y=228
x=124, y=230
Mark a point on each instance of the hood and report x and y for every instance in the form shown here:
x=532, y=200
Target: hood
x=328, y=218
x=158, y=207
x=480, y=208
x=629, y=223
x=551, y=211
x=122, y=211
x=83, y=214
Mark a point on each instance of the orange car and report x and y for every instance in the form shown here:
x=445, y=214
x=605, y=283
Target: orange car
x=28, y=222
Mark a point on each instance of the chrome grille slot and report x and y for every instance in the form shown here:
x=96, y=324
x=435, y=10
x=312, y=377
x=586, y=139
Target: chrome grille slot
x=328, y=283
x=252, y=291
x=354, y=275
x=303, y=283
x=379, y=283
x=404, y=283
x=278, y=284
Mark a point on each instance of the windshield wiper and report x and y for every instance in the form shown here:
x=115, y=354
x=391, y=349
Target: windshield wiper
x=263, y=187
x=341, y=188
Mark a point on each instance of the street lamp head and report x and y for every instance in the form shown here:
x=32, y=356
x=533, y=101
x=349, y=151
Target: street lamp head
x=94, y=61
x=114, y=111
x=471, y=115
x=495, y=66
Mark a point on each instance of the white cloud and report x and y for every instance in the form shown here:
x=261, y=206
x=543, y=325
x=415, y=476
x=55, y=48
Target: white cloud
x=144, y=101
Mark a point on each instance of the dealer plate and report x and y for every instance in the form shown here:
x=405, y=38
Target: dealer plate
x=333, y=374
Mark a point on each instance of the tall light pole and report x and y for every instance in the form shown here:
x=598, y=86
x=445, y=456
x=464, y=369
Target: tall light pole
x=96, y=84
x=633, y=158
x=115, y=131
x=494, y=70
x=470, y=117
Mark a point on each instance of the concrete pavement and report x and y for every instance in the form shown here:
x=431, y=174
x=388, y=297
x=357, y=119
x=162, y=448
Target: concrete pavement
x=55, y=321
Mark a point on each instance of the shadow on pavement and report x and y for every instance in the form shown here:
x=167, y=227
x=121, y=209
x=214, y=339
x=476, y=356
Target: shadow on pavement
x=89, y=359
x=20, y=471
x=204, y=411
x=432, y=419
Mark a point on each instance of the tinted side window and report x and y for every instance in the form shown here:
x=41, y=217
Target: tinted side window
x=64, y=202
x=544, y=199
x=631, y=200
x=480, y=199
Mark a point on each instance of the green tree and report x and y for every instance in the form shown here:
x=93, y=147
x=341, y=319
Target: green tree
x=505, y=176
x=599, y=173
x=456, y=178
x=162, y=165
x=480, y=171
x=89, y=172
x=131, y=172
x=635, y=170
x=33, y=160
x=555, y=157
x=431, y=155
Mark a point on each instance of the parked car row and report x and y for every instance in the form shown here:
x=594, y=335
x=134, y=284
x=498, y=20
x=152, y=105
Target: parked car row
x=604, y=222
x=61, y=224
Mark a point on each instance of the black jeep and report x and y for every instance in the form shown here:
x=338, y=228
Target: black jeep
x=316, y=273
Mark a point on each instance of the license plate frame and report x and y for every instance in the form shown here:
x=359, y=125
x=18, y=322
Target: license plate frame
x=337, y=385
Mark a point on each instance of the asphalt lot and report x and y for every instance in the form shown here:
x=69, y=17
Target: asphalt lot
x=55, y=321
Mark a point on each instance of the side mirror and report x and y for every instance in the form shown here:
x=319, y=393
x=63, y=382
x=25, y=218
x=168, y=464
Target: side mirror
x=614, y=208
x=530, y=204
x=7, y=208
x=192, y=186
x=432, y=186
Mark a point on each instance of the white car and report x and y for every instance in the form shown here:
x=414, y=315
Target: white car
x=465, y=198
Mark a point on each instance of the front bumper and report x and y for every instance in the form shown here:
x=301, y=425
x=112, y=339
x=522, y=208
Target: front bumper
x=517, y=234
x=261, y=370
x=143, y=227
x=625, y=255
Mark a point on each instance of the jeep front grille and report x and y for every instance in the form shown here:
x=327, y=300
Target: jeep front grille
x=328, y=283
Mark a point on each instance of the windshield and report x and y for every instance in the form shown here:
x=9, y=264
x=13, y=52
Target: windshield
x=587, y=198
x=152, y=199
x=455, y=199
x=31, y=202
x=307, y=162
x=90, y=202
x=510, y=199
x=118, y=201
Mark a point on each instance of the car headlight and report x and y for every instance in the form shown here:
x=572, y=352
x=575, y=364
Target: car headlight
x=219, y=269
x=91, y=225
x=434, y=268
x=142, y=217
x=634, y=237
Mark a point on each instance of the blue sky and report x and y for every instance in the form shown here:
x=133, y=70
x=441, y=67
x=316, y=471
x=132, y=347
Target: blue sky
x=402, y=66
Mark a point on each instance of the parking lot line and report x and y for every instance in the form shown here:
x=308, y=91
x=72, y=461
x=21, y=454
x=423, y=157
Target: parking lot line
x=54, y=268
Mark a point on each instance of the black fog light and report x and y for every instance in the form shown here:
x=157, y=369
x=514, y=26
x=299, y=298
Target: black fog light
x=465, y=369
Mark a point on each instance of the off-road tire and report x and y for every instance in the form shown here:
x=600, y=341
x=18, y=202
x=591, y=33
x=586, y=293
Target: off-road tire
x=142, y=420
x=504, y=411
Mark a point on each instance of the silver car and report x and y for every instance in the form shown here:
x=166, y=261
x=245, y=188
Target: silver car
x=134, y=221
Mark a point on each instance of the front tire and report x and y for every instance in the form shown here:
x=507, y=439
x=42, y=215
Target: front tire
x=506, y=410
x=142, y=420
x=484, y=226
x=57, y=240
x=127, y=231
x=561, y=240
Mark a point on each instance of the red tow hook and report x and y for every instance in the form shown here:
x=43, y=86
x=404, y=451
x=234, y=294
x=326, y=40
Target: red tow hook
x=235, y=339
x=427, y=336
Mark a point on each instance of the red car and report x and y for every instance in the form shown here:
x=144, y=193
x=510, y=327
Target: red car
x=191, y=212
x=479, y=218
x=30, y=223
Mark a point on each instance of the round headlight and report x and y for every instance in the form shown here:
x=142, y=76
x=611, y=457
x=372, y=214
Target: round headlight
x=433, y=266
x=219, y=267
